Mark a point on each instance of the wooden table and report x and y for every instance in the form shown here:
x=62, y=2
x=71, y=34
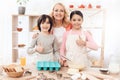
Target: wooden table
x=49, y=74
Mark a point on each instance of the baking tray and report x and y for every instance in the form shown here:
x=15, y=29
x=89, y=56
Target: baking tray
x=45, y=65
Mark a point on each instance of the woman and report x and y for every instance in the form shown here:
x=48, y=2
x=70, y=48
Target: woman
x=60, y=21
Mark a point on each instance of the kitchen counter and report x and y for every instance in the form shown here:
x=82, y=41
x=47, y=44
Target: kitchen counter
x=91, y=71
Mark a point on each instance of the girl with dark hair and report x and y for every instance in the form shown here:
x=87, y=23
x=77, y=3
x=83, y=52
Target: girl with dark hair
x=76, y=41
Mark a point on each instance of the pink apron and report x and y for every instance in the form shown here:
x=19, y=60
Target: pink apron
x=74, y=52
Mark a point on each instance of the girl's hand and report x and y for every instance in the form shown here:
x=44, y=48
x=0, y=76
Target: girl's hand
x=63, y=62
x=80, y=42
x=39, y=48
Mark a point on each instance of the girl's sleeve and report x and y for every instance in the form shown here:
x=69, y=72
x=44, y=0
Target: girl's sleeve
x=63, y=46
x=31, y=48
x=90, y=43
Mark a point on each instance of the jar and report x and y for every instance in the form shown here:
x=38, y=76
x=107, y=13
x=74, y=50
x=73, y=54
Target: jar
x=114, y=65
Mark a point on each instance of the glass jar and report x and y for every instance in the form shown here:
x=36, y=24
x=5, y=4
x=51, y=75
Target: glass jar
x=114, y=65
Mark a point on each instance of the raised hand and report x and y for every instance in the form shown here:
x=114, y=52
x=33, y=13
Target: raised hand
x=80, y=42
x=35, y=35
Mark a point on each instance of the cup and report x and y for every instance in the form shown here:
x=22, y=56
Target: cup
x=23, y=61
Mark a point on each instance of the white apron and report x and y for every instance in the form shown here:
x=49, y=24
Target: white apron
x=74, y=52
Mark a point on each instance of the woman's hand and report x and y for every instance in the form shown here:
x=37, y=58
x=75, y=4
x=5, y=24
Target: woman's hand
x=39, y=48
x=35, y=35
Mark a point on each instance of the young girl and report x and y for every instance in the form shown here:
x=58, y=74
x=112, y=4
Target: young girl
x=76, y=41
x=45, y=44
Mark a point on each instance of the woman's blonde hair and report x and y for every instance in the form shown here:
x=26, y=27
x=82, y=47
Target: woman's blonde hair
x=65, y=20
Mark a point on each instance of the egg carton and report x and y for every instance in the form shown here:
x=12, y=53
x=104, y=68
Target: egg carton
x=51, y=66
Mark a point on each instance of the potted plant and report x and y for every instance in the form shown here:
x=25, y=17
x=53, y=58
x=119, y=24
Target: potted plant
x=22, y=8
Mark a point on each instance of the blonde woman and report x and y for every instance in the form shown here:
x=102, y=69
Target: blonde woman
x=60, y=16
x=60, y=21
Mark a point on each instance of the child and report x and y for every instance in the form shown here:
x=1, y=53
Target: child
x=76, y=41
x=45, y=44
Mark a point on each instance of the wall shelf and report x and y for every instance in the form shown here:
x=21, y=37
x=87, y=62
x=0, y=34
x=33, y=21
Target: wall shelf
x=26, y=22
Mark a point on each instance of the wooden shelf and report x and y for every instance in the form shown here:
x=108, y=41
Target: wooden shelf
x=26, y=22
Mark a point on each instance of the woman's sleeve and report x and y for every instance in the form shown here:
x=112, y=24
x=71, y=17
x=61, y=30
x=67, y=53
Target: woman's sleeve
x=56, y=48
x=90, y=43
x=63, y=47
x=31, y=48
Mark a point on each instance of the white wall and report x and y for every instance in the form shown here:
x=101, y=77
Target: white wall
x=112, y=44
x=112, y=32
x=5, y=32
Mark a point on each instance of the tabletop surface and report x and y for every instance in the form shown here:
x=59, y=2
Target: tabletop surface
x=61, y=74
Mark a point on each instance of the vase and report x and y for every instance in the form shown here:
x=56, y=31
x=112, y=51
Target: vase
x=21, y=10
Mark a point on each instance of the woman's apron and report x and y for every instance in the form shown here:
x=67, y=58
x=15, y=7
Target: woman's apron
x=58, y=32
x=77, y=54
